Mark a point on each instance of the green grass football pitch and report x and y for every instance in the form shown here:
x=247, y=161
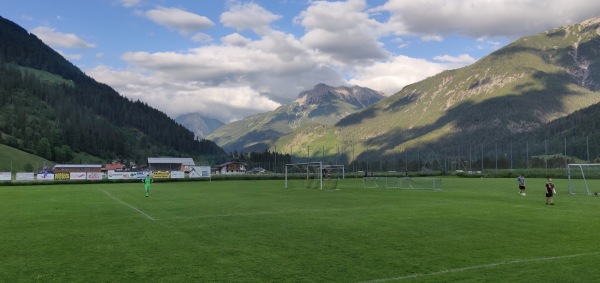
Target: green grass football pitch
x=474, y=230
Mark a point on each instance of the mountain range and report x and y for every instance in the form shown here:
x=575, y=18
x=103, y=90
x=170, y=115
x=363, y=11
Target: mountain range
x=200, y=125
x=322, y=105
x=544, y=87
x=514, y=93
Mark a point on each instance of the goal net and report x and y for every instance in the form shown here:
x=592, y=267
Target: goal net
x=313, y=175
x=581, y=177
x=420, y=183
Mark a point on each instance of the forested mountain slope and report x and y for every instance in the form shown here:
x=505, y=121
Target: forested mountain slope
x=50, y=108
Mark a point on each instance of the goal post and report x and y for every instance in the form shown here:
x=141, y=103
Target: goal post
x=580, y=175
x=313, y=175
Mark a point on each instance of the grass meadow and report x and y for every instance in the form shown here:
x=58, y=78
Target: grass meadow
x=474, y=230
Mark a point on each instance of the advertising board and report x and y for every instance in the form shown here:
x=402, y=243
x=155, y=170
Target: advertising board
x=5, y=176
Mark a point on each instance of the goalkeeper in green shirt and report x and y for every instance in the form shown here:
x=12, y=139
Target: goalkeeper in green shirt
x=147, y=181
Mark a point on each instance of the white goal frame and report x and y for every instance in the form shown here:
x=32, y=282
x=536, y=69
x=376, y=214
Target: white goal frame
x=319, y=172
x=579, y=169
x=322, y=171
x=308, y=164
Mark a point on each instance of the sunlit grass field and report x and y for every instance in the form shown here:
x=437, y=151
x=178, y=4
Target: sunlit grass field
x=474, y=230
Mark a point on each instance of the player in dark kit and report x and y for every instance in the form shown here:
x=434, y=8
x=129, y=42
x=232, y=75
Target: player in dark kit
x=550, y=192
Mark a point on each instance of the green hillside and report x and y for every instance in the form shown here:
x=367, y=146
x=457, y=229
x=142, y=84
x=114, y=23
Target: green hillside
x=50, y=108
x=14, y=160
x=513, y=91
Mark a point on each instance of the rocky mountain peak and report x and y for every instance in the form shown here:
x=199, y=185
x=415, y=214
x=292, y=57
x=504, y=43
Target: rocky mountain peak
x=322, y=93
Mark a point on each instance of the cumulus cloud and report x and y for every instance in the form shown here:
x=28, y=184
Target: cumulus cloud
x=432, y=38
x=461, y=60
x=70, y=56
x=392, y=75
x=129, y=3
x=343, y=31
x=224, y=102
x=58, y=39
x=265, y=73
x=178, y=19
x=342, y=43
x=248, y=16
x=492, y=18
x=235, y=39
x=202, y=37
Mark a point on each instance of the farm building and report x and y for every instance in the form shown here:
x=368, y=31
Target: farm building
x=230, y=168
x=170, y=164
x=115, y=167
x=67, y=168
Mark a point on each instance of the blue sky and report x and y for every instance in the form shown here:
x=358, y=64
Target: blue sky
x=228, y=59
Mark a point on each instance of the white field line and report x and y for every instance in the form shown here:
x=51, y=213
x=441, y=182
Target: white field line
x=131, y=206
x=477, y=267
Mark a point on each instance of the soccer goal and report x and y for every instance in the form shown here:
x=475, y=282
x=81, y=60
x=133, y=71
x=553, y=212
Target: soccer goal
x=420, y=183
x=580, y=176
x=313, y=175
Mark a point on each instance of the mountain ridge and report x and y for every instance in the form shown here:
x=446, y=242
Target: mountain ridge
x=321, y=105
x=198, y=124
x=516, y=90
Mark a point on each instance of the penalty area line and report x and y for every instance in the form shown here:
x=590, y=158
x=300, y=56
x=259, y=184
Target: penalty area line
x=131, y=206
x=477, y=267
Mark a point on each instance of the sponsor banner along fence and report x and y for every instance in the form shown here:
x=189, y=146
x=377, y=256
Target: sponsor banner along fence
x=45, y=176
x=94, y=176
x=200, y=172
x=177, y=174
x=195, y=172
x=5, y=176
x=62, y=176
x=161, y=175
x=112, y=175
x=77, y=175
x=25, y=176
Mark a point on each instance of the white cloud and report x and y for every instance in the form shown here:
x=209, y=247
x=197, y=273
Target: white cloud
x=226, y=103
x=493, y=18
x=235, y=39
x=202, y=37
x=343, y=31
x=130, y=3
x=178, y=19
x=264, y=73
x=432, y=38
x=58, y=39
x=248, y=16
x=70, y=56
x=463, y=59
x=392, y=75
